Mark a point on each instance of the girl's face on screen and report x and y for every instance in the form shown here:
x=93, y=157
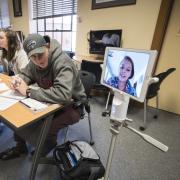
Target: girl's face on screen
x=125, y=70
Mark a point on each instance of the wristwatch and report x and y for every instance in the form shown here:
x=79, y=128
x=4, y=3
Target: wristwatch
x=28, y=92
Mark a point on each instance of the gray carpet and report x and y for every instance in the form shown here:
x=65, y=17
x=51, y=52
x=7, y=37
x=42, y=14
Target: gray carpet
x=134, y=159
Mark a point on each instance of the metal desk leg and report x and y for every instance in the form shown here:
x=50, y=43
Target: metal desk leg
x=40, y=142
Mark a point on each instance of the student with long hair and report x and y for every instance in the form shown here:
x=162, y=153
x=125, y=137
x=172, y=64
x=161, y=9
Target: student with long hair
x=12, y=56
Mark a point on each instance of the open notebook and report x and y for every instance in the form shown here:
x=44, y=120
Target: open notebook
x=34, y=104
x=11, y=96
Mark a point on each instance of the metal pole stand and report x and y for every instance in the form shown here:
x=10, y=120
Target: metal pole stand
x=118, y=119
x=114, y=129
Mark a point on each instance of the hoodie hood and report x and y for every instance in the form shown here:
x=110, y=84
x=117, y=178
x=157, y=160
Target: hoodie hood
x=54, y=52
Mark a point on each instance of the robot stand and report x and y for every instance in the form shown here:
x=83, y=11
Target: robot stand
x=118, y=120
x=106, y=111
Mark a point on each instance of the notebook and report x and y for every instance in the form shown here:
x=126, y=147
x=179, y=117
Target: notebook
x=34, y=104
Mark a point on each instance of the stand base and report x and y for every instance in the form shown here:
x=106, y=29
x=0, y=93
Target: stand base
x=106, y=113
x=142, y=128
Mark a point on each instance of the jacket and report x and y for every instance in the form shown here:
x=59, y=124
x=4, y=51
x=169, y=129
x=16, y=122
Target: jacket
x=19, y=61
x=59, y=82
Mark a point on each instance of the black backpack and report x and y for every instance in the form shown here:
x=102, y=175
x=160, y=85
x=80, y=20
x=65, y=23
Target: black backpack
x=77, y=160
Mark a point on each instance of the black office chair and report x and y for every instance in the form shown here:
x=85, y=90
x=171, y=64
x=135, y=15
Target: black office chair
x=88, y=79
x=95, y=68
x=152, y=92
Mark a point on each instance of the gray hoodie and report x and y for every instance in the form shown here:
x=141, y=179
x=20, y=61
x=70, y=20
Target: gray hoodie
x=59, y=82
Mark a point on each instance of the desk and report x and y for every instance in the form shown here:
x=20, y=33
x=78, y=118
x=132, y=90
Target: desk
x=18, y=116
x=78, y=60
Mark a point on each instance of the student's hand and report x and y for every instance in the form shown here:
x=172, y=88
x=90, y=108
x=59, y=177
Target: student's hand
x=15, y=82
x=19, y=85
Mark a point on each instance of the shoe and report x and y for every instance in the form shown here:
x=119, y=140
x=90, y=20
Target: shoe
x=13, y=152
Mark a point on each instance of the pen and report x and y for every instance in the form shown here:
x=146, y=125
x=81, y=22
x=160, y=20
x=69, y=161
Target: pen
x=28, y=105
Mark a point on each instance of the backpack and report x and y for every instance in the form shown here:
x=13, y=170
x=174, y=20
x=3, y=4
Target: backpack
x=77, y=160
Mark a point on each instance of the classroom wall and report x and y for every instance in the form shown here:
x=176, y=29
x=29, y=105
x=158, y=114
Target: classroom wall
x=169, y=97
x=20, y=23
x=138, y=23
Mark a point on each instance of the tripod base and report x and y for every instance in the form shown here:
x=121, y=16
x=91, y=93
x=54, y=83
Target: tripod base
x=142, y=128
x=106, y=113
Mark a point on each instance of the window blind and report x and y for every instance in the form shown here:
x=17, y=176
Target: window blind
x=53, y=8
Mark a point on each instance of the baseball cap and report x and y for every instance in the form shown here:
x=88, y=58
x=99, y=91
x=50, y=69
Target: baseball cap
x=34, y=44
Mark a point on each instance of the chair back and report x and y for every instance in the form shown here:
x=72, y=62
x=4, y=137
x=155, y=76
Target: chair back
x=154, y=88
x=88, y=80
x=94, y=68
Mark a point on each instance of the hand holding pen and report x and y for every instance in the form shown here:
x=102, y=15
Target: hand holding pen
x=16, y=82
x=19, y=84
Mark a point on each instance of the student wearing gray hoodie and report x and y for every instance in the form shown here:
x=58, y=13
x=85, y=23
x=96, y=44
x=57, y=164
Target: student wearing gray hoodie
x=58, y=82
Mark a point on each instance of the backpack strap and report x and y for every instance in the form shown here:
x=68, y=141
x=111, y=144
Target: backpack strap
x=76, y=146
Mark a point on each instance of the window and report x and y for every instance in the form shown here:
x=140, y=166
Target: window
x=57, y=18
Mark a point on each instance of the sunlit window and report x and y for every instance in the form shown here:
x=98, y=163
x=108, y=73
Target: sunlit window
x=57, y=18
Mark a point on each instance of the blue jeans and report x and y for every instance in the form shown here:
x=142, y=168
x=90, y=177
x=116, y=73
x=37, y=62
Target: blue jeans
x=1, y=68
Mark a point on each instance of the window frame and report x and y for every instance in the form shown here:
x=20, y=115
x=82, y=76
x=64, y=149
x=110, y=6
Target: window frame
x=46, y=31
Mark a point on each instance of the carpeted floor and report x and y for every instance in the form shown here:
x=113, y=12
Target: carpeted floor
x=134, y=159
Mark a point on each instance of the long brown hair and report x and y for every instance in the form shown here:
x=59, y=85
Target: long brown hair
x=13, y=44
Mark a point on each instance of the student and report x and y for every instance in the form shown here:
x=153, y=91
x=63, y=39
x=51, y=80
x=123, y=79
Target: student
x=126, y=72
x=12, y=56
x=58, y=82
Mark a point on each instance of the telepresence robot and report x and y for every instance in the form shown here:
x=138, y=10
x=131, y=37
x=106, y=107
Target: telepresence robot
x=143, y=62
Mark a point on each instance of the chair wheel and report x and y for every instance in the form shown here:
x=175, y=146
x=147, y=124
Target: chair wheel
x=155, y=116
x=91, y=143
x=142, y=128
x=105, y=113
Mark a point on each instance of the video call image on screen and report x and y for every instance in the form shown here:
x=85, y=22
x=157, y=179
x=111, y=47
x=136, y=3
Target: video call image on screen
x=125, y=70
x=100, y=39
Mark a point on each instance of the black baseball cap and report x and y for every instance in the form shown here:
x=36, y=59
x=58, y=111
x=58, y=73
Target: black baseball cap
x=34, y=44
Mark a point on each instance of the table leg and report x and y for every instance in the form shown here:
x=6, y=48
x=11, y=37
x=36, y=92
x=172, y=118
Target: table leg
x=40, y=143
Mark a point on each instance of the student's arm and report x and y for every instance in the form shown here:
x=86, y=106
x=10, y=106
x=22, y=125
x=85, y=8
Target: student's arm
x=21, y=60
x=26, y=74
x=61, y=91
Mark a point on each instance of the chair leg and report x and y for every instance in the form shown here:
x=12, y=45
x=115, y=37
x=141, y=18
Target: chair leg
x=142, y=128
x=90, y=130
x=66, y=134
x=157, y=107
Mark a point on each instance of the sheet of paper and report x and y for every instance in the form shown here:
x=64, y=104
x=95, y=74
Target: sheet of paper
x=12, y=94
x=3, y=87
x=6, y=103
x=34, y=104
